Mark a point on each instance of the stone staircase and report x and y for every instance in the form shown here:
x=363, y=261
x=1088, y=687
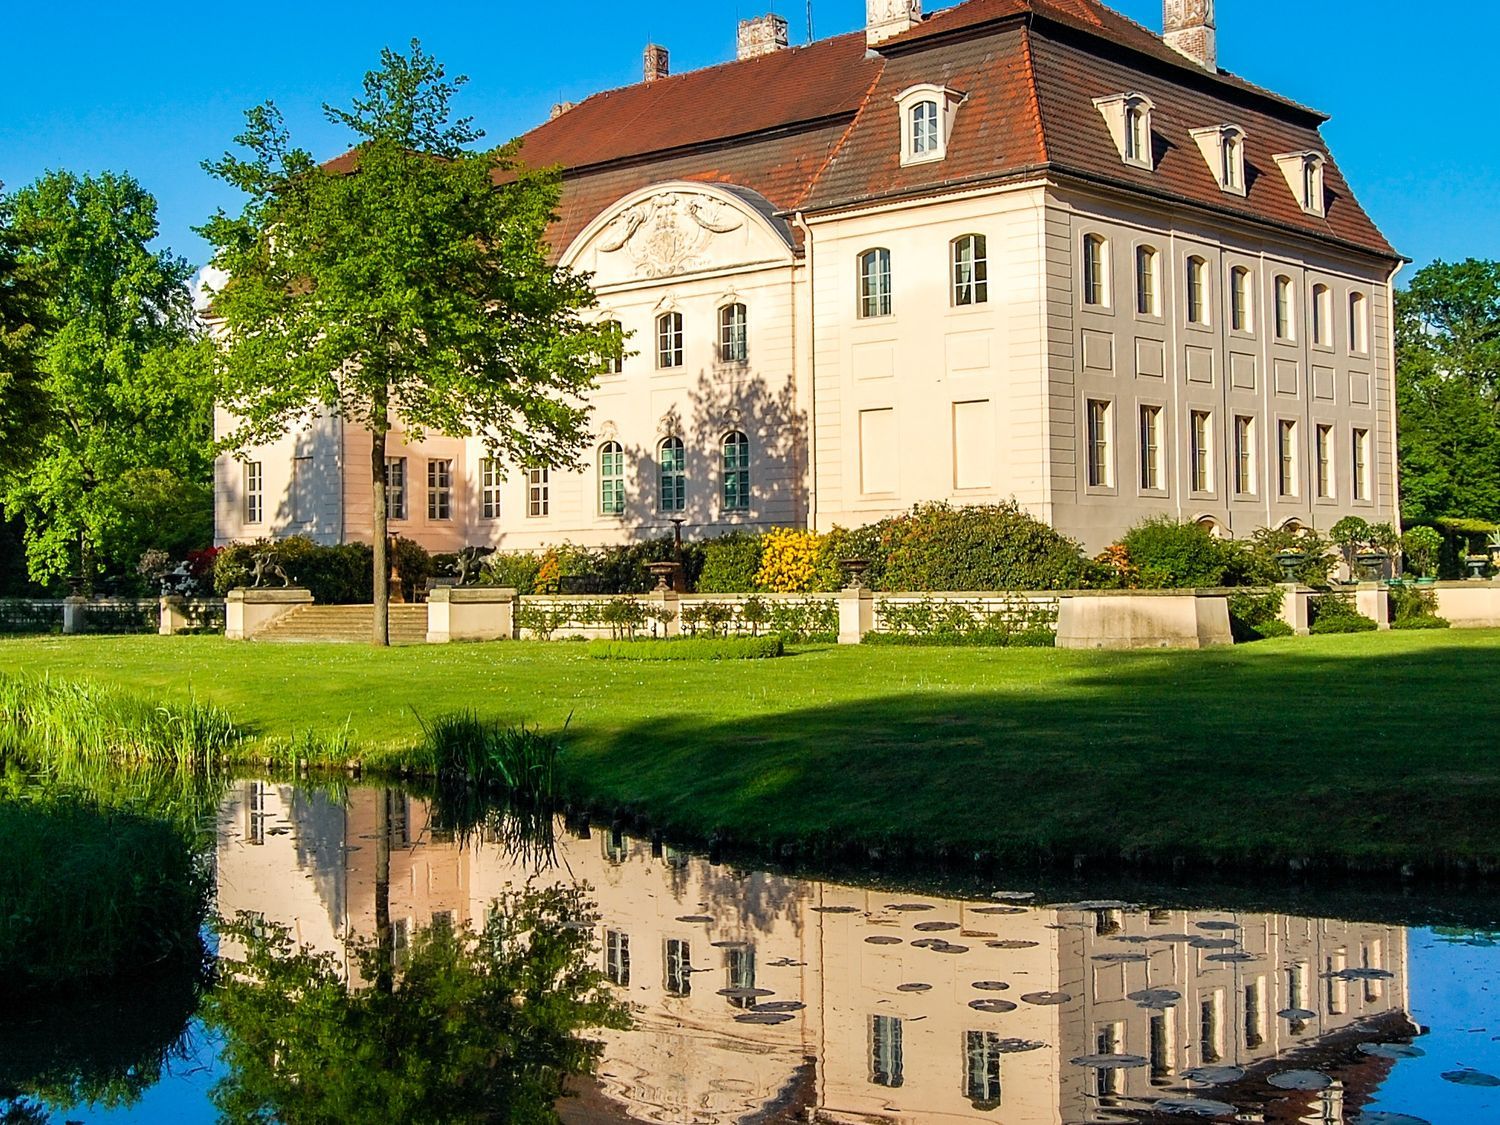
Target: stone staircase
x=346, y=624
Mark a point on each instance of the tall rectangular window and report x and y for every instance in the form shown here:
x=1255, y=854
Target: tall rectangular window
x=971, y=270
x=1109, y=1081
x=255, y=492
x=740, y=974
x=734, y=334
x=1210, y=1038
x=982, y=1053
x=885, y=1051
x=736, y=470
x=1200, y=450
x=611, y=479
x=489, y=488
x=1242, y=306
x=617, y=957
x=671, y=460
x=1147, y=282
x=875, y=283
x=1254, y=1016
x=1161, y=1050
x=614, y=365
x=1361, y=464
x=1197, y=291
x=1100, y=460
x=1322, y=315
x=1095, y=271
x=669, y=340
x=1244, y=456
x=1284, y=310
x=1359, y=324
x=1323, y=450
x=679, y=968
x=395, y=488
x=1286, y=458
x=440, y=490
x=1151, y=452
x=538, y=492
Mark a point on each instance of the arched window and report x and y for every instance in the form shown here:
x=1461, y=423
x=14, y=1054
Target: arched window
x=1312, y=185
x=1095, y=270
x=1241, y=301
x=669, y=340
x=1197, y=290
x=611, y=479
x=1286, y=319
x=875, y=283
x=736, y=491
x=613, y=365
x=671, y=460
x=734, y=334
x=1137, y=134
x=1359, y=324
x=971, y=270
x=1147, y=282
x=924, y=128
x=1322, y=315
x=1233, y=153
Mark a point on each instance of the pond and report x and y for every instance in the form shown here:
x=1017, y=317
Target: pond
x=760, y=997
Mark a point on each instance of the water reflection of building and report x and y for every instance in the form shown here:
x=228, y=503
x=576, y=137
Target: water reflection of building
x=909, y=1008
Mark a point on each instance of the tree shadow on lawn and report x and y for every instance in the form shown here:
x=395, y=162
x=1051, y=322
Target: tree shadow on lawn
x=1351, y=759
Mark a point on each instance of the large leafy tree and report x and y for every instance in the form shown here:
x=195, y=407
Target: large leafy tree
x=22, y=321
x=406, y=285
x=1448, y=391
x=125, y=381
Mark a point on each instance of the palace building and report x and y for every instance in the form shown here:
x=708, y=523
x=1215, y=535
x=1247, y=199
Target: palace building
x=1012, y=249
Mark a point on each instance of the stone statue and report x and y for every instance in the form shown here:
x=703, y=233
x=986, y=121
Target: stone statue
x=263, y=566
x=467, y=565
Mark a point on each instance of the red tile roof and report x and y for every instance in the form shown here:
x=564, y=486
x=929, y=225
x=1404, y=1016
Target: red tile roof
x=816, y=127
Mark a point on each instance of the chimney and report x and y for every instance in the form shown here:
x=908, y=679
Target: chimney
x=887, y=18
x=657, y=65
x=1188, y=27
x=763, y=36
x=561, y=108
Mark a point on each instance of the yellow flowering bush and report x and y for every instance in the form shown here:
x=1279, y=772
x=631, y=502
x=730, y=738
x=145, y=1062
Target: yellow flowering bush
x=788, y=561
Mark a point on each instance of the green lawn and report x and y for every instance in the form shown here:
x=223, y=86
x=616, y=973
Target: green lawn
x=1372, y=750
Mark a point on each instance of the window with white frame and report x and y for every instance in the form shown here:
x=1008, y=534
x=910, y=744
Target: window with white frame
x=1200, y=450
x=1359, y=324
x=1210, y=1029
x=1137, y=133
x=1095, y=271
x=679, y=968
x=982, y=1053
x=886, y=1063
x=736, y=483
x=1322, y=316
x=1147, y=281
x=1100, y=455
x=1128, y=117
x=971, y=270
x=617, y=957
x=255, y=492
x=669, y=340
x=739, y=975
x=1244, y=455
x=1286, y=458
x=611, y=479
x=926, y=113
x=1197, y=291
x=875, y=283
x=490, y=481
x=1241, y=300
x=538, y=492
x=1323, y=452
x=1223, y=148
x=1151, y=449
x=1232, y=154
x=1286, y=309
x=671, y=460
x=924, y=128
x=395, y=488
x=1361, y=465
x=1304, y=175
x=440, y=490
x=1255, y=1013
x=734, y=334
x=615, y=364
x=1109, y=1081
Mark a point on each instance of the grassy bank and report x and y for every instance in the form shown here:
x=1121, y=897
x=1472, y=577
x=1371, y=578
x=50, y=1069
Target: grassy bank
x=1368, y=752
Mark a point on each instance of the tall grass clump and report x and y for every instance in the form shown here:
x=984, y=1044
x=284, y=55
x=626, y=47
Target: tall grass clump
x=89, y=894
x=52, y=720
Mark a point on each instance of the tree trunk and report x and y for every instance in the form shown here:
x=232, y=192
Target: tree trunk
x=385, y=946
x=382, y=585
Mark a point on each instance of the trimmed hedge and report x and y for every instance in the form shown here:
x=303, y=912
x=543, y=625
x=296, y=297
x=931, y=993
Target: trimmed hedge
x=983, y=638
x=341, y=574
x=689, y=648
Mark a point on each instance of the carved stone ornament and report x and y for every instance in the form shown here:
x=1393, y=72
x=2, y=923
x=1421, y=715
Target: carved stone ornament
x=608, y=432
x=669, y=233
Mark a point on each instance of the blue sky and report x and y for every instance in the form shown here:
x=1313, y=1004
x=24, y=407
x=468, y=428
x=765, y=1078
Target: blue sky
x=154, y=89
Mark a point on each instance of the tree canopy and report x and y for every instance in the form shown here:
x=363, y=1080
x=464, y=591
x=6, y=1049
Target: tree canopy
x=126, y=395
x=406, y=285
x=22, y=321
x=1448, y=391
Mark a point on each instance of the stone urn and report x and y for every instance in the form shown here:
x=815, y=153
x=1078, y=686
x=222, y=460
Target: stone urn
x=854, y=572
x=1372, y=564
x=1477, y=565
x=664, y=573
x=1290, y=563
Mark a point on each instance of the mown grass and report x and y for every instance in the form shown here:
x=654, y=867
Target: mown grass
x=1373, y=751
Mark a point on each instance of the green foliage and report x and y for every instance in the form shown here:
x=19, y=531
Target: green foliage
x=514, y=569
x=466, y=751
x=414, y=566
x=1257, y=564
x=23, y=323
x=334, y=575
x=689, y=648
x=1172, y=555
x=487, y=1026
x=979, y=638
x=1428, y=622
x=1255, y=614
x=1448, y=391
x=619, y=569
x=127, y=383
x=1421, y=546
x=1351, y=533
x=544, y=619
x=90, y=894
x=713, y=619
x=1337, y=613
x=730, y=563
x=624, y=616
x=1415, y=607
x=953, y=621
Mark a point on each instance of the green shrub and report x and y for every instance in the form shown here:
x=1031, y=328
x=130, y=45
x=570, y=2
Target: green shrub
x=1414, y=607
x=947, y=618
x=689, y=648
x=730, y=564
x=624, y=616
x=1336, y=613
x=978, y=638
x=1421, y=546
x=1255, y=563
x=1422, y=622
x=413, y=565
x=1172, y=555
x=515, y=569
x=342, y=574
x=801, y=622
x=1255, y=614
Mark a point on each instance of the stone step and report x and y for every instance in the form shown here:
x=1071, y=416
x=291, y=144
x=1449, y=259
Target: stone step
x=349, y=624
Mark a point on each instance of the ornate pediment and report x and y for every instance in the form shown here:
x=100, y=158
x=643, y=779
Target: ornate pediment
x=670, y=232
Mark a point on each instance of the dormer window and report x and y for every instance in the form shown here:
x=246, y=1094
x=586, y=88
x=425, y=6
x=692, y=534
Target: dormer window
x=927, y=114
x=1223, y=147
x=1304, y=175
x=1129, y=119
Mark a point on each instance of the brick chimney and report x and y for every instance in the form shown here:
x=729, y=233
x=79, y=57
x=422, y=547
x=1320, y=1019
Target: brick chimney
x=763, y=36
x=657, y=62
x=1188, y=27
x=886, y=18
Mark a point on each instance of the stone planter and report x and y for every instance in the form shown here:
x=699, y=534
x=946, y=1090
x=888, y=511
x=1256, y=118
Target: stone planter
x=1143, y=619
x=250, y=610
x=470, y=613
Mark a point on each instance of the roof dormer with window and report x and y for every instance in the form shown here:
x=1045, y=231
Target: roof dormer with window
x=927, y=114
x=1223, y=147
x=1129, y=119
x=1304, y=175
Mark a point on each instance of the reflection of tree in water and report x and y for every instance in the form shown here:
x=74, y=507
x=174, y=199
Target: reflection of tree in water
x=758, y=898
x=471, y=1027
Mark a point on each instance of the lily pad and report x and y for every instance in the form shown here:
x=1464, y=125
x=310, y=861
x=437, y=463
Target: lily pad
x=1046, y=999
x=1213, y=942
x=1238, y=958
x=781, y=1006
x=914, y=987
x=837, y=910
x=1120, y=958
x=1194, y=1107
x=1392, y=1050
x=991, y=986
x=935, y=927
x=1012, y=943
x=993, y=1005
x=909, y=907
x=1214, y=924
x=1109, y=1062
x=1297, y=1014
x=998, y=910
x=945, y=947
x=1214, y=1075
x=1468, y=1076
x=1016, y=1046
x=1307, y=1080
x=695, y=919
x=730, y=944
x=746, y=993
x=1362, y=974
x=882, y=939
x=1380, y=1117
x=1157, y=999
x=763, y=1017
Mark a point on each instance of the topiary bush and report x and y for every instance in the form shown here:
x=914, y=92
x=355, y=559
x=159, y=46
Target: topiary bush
x=937, y=547
x=731, y=564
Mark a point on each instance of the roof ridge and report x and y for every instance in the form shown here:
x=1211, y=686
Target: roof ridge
x=1029, y=62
